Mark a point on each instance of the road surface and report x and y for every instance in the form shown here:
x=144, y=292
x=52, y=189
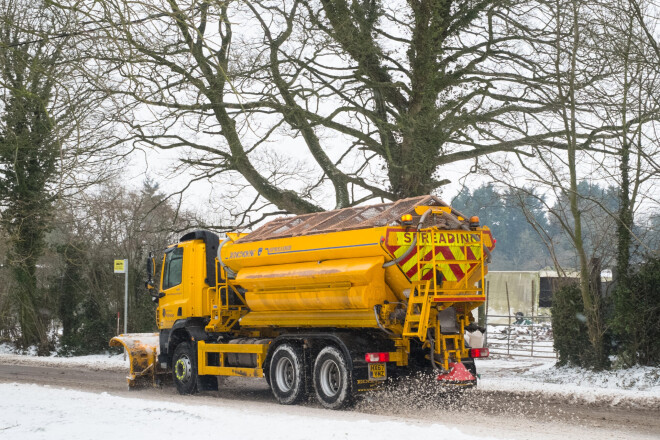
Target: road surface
x=486, y=413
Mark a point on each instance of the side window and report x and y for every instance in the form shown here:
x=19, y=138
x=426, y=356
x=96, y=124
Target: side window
x=173, y=268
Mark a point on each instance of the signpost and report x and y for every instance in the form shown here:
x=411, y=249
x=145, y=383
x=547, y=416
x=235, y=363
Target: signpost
x=121, y=266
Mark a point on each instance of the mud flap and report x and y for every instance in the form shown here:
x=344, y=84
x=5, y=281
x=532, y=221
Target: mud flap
x=142, y=349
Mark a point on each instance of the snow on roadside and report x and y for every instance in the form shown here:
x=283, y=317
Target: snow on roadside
x=109, y=361
x=28, y=412
x=635, y=386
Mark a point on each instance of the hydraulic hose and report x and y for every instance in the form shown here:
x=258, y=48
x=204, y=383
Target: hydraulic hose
x=489, y=257
x=412, y=246
x=380, y=326
x=429, y=336
x=230, y=273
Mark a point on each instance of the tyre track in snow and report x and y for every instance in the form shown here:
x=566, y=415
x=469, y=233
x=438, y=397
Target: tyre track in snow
x=514, y=415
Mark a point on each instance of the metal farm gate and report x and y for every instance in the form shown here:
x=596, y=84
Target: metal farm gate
x=516, y=325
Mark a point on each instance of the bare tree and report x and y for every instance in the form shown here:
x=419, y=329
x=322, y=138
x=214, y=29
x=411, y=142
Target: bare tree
x=45, y=145
x=637, y=50
x=311, y=100
x=597, y=62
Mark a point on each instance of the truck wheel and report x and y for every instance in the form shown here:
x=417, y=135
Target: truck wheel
x=287, y=374
x=332, y=379
x=184, y=369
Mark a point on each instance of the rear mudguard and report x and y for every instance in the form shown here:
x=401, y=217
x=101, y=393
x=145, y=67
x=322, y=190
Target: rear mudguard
x=142, y=349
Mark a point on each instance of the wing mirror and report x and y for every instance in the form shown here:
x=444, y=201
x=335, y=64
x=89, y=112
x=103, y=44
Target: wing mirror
x=151, y=268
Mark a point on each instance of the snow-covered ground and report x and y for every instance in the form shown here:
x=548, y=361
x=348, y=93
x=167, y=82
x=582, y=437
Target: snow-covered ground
x=639, y=385
x=109, y=361
x=31, y=412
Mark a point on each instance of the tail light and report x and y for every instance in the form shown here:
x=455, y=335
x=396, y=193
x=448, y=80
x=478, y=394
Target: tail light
x=479, y=352
x=377, y=357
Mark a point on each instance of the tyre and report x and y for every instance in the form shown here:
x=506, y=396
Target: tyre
x=287, y=374
x=184, y=368
x=332, y=379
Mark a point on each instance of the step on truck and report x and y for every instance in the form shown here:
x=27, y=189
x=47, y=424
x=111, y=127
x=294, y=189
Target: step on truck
x=330, y=304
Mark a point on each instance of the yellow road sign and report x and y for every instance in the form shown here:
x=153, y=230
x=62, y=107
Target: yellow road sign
x=119, y=266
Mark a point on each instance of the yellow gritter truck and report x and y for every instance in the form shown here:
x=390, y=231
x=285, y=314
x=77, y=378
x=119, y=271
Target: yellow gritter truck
x=330, y=303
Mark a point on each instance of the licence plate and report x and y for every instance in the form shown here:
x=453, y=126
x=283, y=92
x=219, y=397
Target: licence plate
x=377, y=371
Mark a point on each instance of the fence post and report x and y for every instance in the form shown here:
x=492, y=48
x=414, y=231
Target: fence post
x=481, y=311
x=533, y=304
x=508, y=312
x=486, y=314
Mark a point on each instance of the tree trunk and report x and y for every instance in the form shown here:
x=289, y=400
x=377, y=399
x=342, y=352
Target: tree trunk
x=594, y=318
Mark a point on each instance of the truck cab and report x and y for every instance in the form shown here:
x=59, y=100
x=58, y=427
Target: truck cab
x=184, y=280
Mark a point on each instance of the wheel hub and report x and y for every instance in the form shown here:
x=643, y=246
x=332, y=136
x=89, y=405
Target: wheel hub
x=285, y=374
x=183, y=369
x=330, y=378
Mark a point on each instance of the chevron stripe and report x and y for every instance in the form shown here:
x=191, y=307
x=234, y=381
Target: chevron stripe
x=398, y=242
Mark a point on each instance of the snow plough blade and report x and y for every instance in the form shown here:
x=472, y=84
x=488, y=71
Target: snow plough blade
x=142, y=349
